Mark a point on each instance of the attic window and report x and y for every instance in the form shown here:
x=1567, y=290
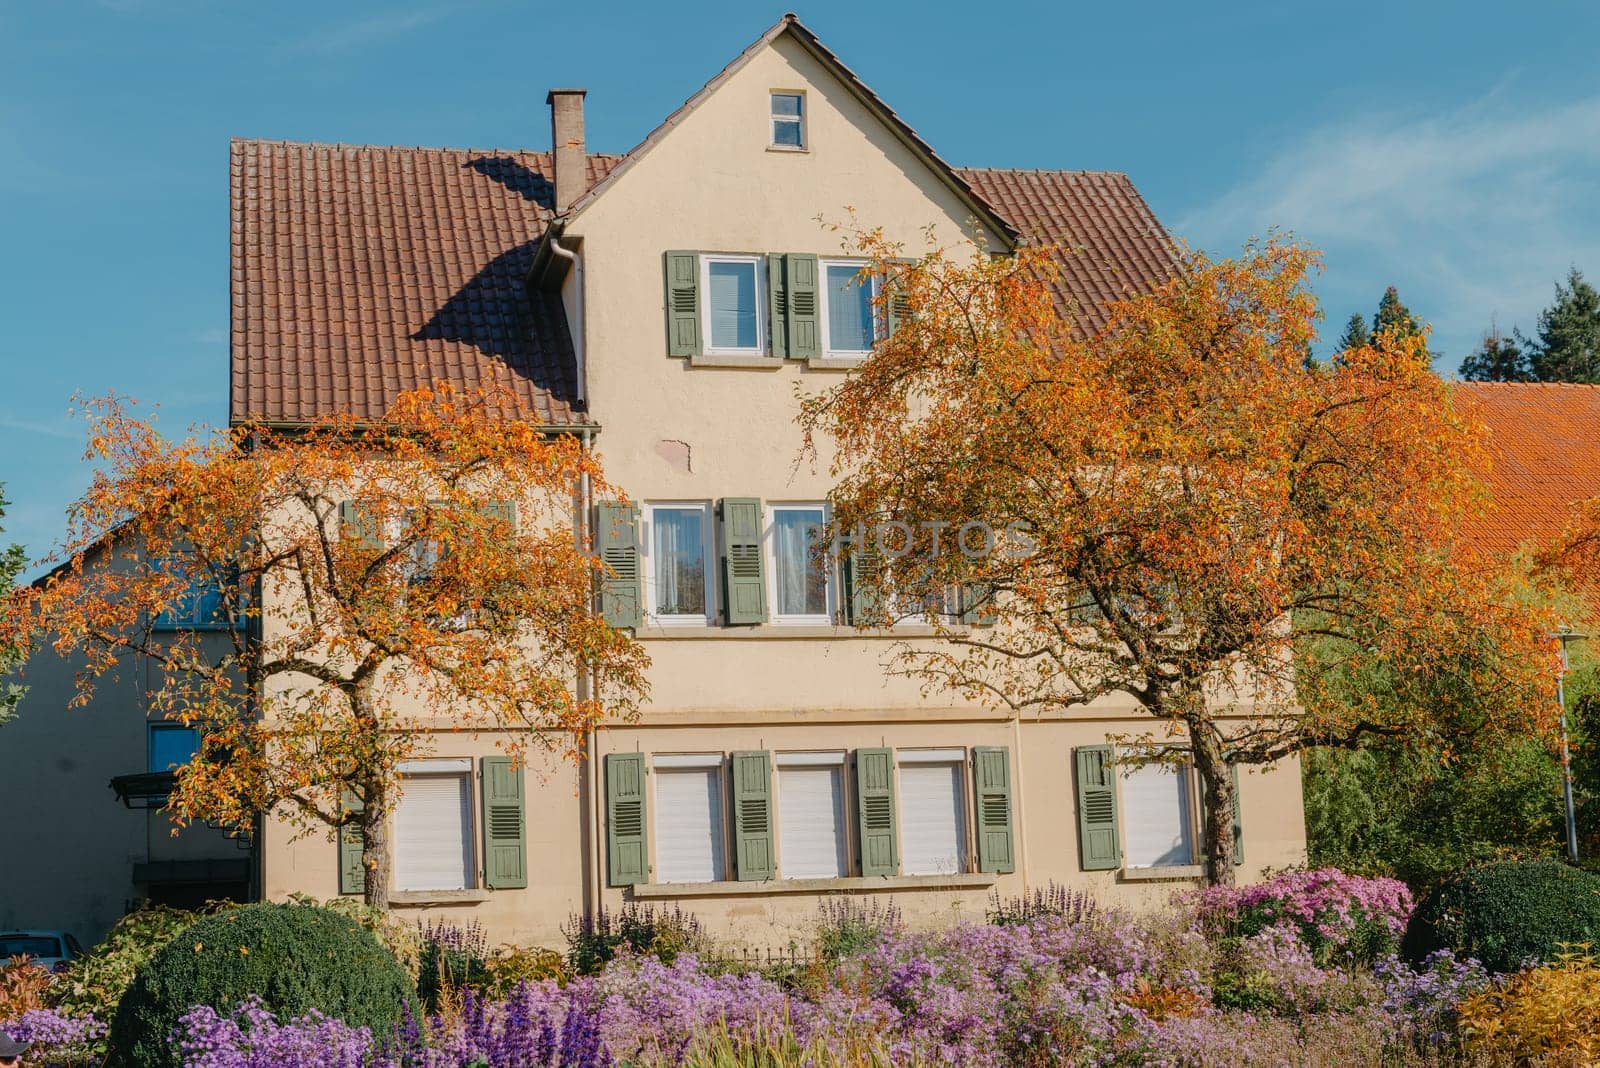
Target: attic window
x=789, y=120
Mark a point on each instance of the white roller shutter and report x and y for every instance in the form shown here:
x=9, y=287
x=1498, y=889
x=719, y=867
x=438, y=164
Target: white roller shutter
x=433, y=833
x=688, y=813
x=932, y=835
x=1157, y=826
x=811, y=822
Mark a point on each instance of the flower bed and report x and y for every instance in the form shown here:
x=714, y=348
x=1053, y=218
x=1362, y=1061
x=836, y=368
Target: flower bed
x=1264, y=975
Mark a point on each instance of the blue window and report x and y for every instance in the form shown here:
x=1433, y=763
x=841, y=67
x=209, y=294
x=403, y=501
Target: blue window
x=172, y=745
x=848, y=307
x=200, y=608
x=733, y=305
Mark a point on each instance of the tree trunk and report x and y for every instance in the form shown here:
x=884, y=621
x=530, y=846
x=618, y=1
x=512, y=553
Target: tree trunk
x=1217, y=790
x=375, y=846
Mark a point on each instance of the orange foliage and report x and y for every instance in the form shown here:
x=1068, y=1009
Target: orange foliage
x=1217, y=528
x=369, y=589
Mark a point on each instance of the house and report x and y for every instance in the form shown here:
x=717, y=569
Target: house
x=1543, y=448
x=664, y=305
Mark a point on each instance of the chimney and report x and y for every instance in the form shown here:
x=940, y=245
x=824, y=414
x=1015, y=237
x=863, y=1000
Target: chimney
x=566, y=139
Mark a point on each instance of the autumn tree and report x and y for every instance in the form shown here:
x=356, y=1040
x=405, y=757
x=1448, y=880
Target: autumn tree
x=12, y=562
x=343, y=591
x=1175, y=509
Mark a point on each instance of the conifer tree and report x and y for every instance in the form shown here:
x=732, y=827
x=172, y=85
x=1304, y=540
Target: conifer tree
x=1498, y=358
x=1567, y=348
x=1355, y=334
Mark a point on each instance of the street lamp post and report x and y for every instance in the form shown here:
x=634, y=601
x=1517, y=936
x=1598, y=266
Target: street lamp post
x=1565, y=636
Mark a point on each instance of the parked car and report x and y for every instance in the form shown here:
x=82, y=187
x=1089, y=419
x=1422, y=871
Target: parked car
x=48, y=949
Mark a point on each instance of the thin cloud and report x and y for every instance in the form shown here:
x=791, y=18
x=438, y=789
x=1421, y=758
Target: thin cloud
x=365, y=31
x=1473, y=212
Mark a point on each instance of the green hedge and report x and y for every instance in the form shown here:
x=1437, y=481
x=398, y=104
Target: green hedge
x=294, y=957
x=1508, y=912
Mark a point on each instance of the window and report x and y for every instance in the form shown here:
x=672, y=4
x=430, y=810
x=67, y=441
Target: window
x=433, y=826
x=1157, y=815
x=199, y=607
x=788, y=120
x=800, y=588
x=688, y=806
x=847, y=308
x=172, y=745
x=679, y=581
x=734, y=288
x=811, y=836
x=932, y=812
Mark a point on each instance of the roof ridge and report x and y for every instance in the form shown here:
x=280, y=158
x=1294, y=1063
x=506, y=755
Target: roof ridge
x=1042, y=170
x=285, y=143
x=1525, y=385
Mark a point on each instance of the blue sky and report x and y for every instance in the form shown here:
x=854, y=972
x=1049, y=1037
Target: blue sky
x=1450, y=149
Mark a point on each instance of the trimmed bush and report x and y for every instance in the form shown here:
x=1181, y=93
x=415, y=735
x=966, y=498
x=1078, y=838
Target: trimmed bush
x=1508, y=913
x=295, y=958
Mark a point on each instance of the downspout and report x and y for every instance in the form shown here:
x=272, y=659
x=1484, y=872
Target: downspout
x=585, y=685
x=1016, y=802
x=579, y=330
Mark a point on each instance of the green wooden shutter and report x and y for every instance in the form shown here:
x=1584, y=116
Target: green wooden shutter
x=896, y=302
x=683, y=303
x=352, y=873
x=863, y=598
x=777, y=304
x=358, y=520
x=744, y=580
x=805, y=319
x=753, y=857
x=878, y=837
x=625, y=820
x=1238, y=825
x=991, y=775
x=616, y=539
x=1099, y=842
x=505, y=846
x=977, y=605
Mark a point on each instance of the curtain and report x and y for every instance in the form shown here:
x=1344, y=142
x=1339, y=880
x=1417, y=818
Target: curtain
x=802, y=583
x=680, y=566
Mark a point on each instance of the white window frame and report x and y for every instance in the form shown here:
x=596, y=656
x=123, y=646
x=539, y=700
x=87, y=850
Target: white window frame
x=1191, y=790
x=714, y=762
x=830, y=585
x=828, y=758
x=460, y=767
x=799, y=120
x=825, y=320
x=707, y=553
x=956, y=756
x=758, y=265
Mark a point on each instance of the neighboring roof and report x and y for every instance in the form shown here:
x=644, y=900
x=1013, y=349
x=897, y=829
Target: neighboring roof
x=1544, y=451
x=1111, y=245
x=791, y=24
x=359, y=272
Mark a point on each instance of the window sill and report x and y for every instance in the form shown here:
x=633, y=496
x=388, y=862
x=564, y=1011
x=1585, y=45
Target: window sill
x=835, y=363
x=1156, y=875
x=749, y=363
x=801, y=149
x=979, y=881
x=401, y=898
x=778, y=631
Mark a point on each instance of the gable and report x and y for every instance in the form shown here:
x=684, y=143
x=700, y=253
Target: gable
x=709, y=177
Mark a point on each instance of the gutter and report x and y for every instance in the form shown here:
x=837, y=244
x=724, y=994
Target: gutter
x=579, y=330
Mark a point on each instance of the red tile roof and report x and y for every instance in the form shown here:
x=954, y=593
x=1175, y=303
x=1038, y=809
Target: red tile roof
x=360, y=271
x=1544, y=449
x=1111, y=244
